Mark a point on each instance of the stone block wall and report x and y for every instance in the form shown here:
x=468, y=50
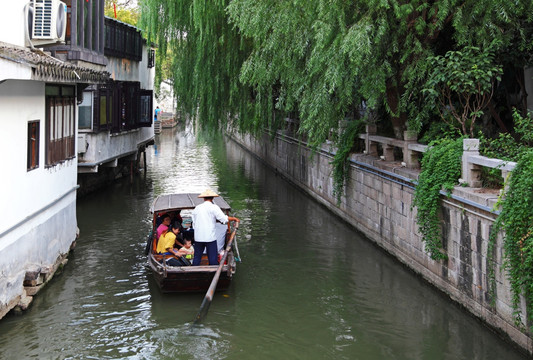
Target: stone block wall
x=378, y=203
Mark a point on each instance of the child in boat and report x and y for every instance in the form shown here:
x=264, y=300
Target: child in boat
x=187, y=250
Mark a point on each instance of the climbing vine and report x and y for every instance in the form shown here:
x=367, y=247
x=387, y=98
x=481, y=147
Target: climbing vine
x=441, y=168
x=340, y=161
x=515, y=221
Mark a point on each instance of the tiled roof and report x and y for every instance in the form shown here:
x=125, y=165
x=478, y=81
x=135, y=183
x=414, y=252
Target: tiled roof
x=47, y=68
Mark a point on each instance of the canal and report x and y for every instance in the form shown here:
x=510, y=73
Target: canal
x=309, y=286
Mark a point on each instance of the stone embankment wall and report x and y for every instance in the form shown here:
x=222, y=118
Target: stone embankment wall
x=377, y=201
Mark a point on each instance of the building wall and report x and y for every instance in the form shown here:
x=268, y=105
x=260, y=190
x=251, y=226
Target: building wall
x=378, y=203
x=104, y=147
x=20, y=102
x=128, y=70
x=95, y=148
x=38, y=209
x=12, y=22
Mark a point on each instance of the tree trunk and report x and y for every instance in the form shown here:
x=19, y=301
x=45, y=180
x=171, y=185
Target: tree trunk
x=398, y=119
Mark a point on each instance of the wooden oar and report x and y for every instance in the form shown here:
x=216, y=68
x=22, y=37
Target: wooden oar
x=211, y=291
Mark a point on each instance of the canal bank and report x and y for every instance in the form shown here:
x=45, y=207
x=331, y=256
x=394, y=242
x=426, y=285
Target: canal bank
x=378, y=202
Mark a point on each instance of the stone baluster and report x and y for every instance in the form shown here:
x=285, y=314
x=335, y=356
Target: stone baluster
x=410, y=157
x=388, y=152
x=470, y=173
x=371, y=147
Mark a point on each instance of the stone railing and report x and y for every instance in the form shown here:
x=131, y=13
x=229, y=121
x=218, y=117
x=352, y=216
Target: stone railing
x=471, y=164
x=409, y=147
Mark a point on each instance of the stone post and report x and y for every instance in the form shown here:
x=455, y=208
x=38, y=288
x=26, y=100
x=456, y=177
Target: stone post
x=470, y=173
x=388, y=152
x=370, y=147
x=410, y=157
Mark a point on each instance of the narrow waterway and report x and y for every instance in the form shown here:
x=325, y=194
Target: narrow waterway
x=309, y=286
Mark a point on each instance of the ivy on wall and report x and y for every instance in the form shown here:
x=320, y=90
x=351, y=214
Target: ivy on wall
x=441, y=168
x=340, y=162
x=515, y=221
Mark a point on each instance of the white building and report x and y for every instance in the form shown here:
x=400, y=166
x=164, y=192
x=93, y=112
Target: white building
x=38, y=127
x=39, y=151
x=116, y=117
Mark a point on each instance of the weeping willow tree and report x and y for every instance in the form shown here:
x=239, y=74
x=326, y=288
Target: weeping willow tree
x=207, y=54
x=318, y=60
x=255, y=62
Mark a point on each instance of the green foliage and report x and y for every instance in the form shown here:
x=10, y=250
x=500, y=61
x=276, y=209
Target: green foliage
x=438, y=131
x=461, y=85
x=207, y=55
x=441, y=168
x=252, y=62
x=507, y=147
x=299, y=62
x=516, y=216
x=516, y=222
x=344, y=148
x=324, y=57
x=125, y=11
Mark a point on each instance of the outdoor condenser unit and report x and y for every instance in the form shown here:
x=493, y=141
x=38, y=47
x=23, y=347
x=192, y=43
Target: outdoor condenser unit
x=47, y=22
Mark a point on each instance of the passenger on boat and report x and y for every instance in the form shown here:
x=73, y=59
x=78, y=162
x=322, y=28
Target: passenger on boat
x=187, y=249
x=164, y=225
x=205, y=217
x=175, y=216
x=188, y=231
x=167, y=242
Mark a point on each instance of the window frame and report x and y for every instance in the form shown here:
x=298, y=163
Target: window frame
x=60, y=124
x=125, y=104
x=103, y=91
x=33, y=143
x=146, y=117
x=91, y=94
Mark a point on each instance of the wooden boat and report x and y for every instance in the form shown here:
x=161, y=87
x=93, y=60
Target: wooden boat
x=187, y=278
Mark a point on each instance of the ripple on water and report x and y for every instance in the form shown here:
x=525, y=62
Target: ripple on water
x=185, y=341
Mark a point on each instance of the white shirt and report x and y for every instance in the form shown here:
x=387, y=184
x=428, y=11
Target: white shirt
x=204, y=219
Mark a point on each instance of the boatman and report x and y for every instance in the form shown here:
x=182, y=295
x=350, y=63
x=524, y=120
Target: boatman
x=205, y=217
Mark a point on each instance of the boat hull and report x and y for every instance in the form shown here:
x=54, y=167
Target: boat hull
x=185, y=279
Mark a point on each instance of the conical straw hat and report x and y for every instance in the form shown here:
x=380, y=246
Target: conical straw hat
x=208, y=193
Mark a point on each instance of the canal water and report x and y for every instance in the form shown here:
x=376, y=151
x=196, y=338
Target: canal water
x=309, y=286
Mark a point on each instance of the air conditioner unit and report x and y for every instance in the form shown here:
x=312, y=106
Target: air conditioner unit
x=47, y=22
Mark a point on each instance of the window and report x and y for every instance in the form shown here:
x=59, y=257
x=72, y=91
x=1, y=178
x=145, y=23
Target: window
x=145, y=115
x=85, y=111
x=129, y=110
x=103, y=110
x=60, y=126
x=33, y=145
x=103, y=107
x=122, y=40
x=151, y=58
x=121, y=106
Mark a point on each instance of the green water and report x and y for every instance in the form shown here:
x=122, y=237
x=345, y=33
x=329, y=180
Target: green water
x=308, y=287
